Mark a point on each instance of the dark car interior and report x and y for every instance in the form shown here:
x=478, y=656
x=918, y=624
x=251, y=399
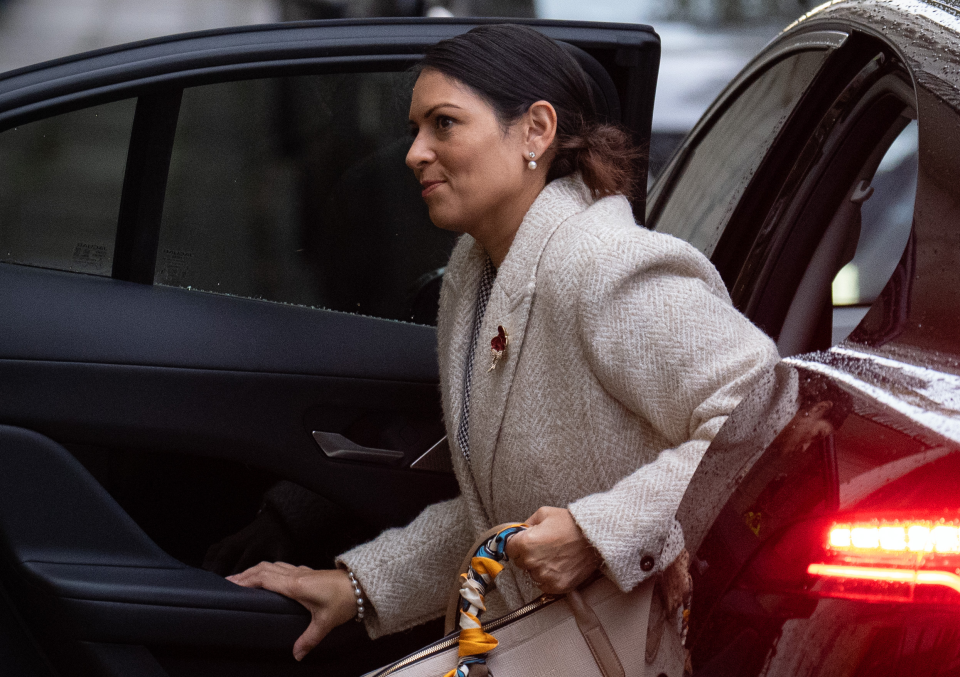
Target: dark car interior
x=800, y=186
x=851, y=155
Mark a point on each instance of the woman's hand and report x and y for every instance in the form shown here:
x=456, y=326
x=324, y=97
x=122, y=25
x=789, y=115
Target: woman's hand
x=554, y=551
x=328, y=596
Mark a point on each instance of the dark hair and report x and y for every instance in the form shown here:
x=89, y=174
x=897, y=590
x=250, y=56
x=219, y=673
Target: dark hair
x=512, y=67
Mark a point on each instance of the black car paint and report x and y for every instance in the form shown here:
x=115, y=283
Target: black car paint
x=757, y=509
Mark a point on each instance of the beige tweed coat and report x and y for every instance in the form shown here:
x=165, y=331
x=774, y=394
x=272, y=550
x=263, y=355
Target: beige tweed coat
x=625, y=357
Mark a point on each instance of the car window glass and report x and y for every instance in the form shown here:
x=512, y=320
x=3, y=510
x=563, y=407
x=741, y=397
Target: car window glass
x=722, y=164
x=296, y=190
x=60, y=188
x=886, y=219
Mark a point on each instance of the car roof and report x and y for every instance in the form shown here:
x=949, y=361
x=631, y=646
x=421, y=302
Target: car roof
x=267, y=42
x=926, y=32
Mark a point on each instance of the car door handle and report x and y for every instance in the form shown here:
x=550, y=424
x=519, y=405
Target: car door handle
x=338, y=447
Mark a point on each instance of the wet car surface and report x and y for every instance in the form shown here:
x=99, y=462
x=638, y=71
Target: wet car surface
x=825, y=517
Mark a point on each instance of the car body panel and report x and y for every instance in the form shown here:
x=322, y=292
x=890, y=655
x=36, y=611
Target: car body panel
x=781, y=471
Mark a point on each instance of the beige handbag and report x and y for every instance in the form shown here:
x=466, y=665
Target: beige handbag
x=596, y=631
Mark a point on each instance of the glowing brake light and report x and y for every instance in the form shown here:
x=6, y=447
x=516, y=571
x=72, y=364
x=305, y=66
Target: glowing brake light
x=905, y=537
x=895, y=560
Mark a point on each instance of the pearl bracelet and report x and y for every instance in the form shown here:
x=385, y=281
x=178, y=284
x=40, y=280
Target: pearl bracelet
x=356, y=591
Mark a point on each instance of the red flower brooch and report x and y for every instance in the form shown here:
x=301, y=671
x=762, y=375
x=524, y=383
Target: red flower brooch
x=498, y=346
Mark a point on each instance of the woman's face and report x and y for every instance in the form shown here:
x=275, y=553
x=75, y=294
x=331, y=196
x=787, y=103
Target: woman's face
x=471, y=169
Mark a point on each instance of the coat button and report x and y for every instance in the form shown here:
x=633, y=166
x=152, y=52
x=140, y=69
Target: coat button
x=646, y=563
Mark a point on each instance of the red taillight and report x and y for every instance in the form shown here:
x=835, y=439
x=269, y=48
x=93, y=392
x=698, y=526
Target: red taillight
x=894, y=538
x=890, y=560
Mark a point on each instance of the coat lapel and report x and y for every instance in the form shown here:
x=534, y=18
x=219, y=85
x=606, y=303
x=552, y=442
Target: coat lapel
x=458, y=298
x=511, y=301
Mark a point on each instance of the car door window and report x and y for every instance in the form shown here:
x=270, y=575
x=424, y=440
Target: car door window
x=60, y=188
x=886, y=219
x=721, y=165
x=844, y=218
x=295, y=190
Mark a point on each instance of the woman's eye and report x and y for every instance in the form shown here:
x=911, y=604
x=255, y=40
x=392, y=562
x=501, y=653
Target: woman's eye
x=413, y=131
x=444, y=122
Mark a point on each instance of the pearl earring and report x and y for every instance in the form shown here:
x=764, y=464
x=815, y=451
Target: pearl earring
x=532, y=164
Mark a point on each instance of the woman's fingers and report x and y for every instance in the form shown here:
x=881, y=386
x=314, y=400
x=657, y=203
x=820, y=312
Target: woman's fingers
x=517, y=548
x=328, y=596
x=540, y=515
x=563, y=577
x=308, y=641
x=562, y=582
x=249, y=577
x=267, y=575
x=554, y=551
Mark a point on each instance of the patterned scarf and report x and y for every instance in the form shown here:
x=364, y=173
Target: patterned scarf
x=485, y=565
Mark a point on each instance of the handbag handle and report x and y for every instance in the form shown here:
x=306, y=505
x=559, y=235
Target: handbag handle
x=478, y=575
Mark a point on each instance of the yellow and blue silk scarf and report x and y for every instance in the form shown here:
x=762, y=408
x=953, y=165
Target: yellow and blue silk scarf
x=480, y=578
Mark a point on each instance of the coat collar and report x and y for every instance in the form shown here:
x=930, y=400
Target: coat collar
x=510, y=303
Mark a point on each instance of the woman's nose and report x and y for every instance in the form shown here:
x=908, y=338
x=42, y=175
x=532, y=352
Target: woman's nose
x=419, y=153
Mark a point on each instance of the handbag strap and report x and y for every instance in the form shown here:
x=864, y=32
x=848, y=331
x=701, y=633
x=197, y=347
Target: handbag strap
x=485, y=564
x=478, y=576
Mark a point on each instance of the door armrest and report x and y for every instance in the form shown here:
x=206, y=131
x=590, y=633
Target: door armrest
x=78, y=565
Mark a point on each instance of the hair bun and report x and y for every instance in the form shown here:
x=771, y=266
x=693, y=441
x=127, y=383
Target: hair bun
x=605, y=156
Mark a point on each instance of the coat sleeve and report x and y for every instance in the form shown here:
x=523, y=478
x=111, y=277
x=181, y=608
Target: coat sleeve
x=407, y=574
x=663, y=338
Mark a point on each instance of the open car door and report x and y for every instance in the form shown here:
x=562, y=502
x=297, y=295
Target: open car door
x=216, y=273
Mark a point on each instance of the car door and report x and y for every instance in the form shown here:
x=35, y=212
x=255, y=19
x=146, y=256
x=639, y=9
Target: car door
x=216, y=274
x=805, y=164
x=835, y=233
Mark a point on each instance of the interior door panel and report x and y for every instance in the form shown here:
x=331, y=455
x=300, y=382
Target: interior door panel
x=105, y=400
x=163, y=369
x=81, y=318
x=76, y=551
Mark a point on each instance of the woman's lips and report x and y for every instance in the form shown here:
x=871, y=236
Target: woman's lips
x=430, y=186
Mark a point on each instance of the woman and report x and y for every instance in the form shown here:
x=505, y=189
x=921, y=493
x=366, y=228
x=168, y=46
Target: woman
x=615, y=355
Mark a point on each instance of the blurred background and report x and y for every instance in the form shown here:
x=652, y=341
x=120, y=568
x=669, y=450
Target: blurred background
x=705, y=42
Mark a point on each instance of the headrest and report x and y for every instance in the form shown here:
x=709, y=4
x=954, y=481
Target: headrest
x=604, y=92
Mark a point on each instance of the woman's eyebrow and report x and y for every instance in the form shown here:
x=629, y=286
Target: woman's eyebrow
x=440, y=105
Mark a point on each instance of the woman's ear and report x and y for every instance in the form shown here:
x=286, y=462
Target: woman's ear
x=541, y=127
